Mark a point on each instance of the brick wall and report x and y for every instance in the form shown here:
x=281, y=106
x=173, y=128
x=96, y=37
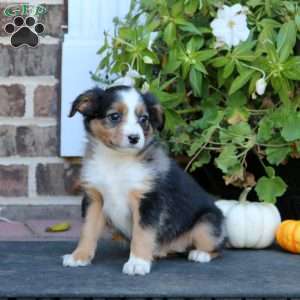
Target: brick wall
x=31, y=171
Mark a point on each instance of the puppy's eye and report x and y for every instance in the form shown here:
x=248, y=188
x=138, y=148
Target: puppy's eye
x=114, y=117
x=143, y=119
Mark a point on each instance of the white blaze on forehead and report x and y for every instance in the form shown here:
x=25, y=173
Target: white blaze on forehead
x=131, y=98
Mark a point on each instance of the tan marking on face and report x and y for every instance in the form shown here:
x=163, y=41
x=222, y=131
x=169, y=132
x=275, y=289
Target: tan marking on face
x=92, y=227
x=120, y=107
x=110, y=136
x=140, y=109
x=143, y=239
x=103, y=129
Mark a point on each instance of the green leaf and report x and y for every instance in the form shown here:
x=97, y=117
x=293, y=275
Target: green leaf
x=286, y=40
x=265, y=130
x=297, y=21
x=292, y=68
x=268, y=189
x=240, y=81
x=173, y=119
x=237, y=133
x=195, y=146
x=243, y=51
x=228, y=69
x=196, y=81
x=205, y=54
x=177, y=8
x=211, y=116
x=202, y=159
x=191, y=7
x=103, y=48
x=147, y=60
x=282, y=87
x=190, y=27
x=227, y=158
x=219, y=61
x=195, y=43
x=275, y=155
x=237, y=99
x=200, y=67
x=270, y=22
x=170, y=34
x=291, y=128
x=173, y=62
x=270, y=172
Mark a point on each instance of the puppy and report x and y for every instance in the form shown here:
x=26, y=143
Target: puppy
x=130, y=182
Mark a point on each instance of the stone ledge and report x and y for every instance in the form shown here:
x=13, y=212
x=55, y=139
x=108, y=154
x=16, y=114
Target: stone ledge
x=21, y=213
x=34, y=269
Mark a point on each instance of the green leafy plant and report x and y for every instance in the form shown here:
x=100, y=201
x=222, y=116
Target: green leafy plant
x=221, y=101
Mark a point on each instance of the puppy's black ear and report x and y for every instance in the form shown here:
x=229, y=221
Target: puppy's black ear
x=87, y=103
x=156, y=113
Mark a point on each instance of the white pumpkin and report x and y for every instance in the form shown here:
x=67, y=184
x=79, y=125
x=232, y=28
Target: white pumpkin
x=249, y=224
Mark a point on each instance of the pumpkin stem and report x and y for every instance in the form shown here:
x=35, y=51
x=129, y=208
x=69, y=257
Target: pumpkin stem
x=244, y=194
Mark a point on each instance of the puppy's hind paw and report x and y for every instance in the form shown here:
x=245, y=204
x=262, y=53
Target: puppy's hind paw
x=199, y=256
x=137, y=266
x=70, y=261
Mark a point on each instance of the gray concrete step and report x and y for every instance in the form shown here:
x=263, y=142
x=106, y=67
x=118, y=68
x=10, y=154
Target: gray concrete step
x=34, y=269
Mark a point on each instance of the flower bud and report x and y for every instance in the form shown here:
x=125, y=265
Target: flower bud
x=261, y=85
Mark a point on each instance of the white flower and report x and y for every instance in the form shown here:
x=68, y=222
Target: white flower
x=230, y=26
x=260, y=86
x=129, y=78
x=152, y=38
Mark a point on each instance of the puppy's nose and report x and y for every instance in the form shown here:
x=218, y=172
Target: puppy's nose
x=133, y=139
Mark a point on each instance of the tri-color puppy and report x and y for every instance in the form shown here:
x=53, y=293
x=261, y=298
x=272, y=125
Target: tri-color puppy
x=132, y=183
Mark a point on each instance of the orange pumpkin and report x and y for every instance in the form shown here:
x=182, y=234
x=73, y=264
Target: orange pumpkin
x=288, y=235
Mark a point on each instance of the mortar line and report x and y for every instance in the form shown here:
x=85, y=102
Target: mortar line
x=32, y=188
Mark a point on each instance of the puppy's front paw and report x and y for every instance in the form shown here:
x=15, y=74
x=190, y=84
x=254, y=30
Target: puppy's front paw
x=199, y=256
x=137, y=266
x=70, y=260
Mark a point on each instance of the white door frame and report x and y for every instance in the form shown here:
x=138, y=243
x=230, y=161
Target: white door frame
x=87, y=22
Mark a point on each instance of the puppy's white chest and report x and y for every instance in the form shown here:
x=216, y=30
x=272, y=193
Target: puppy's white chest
x=115, y=179
x=116, y=208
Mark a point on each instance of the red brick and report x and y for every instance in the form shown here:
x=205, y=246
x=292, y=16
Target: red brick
x=13, y=180
x=36, y=141
x=50, y=179
x=25, y=61
x=45, y=101
x=12, y=100
x=58, y=179
x=53, y=19
x=7, y=140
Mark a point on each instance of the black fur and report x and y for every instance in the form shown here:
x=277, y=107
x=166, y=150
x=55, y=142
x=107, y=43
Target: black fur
x=84, y=205
x=176, y=204
x=157, y=117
